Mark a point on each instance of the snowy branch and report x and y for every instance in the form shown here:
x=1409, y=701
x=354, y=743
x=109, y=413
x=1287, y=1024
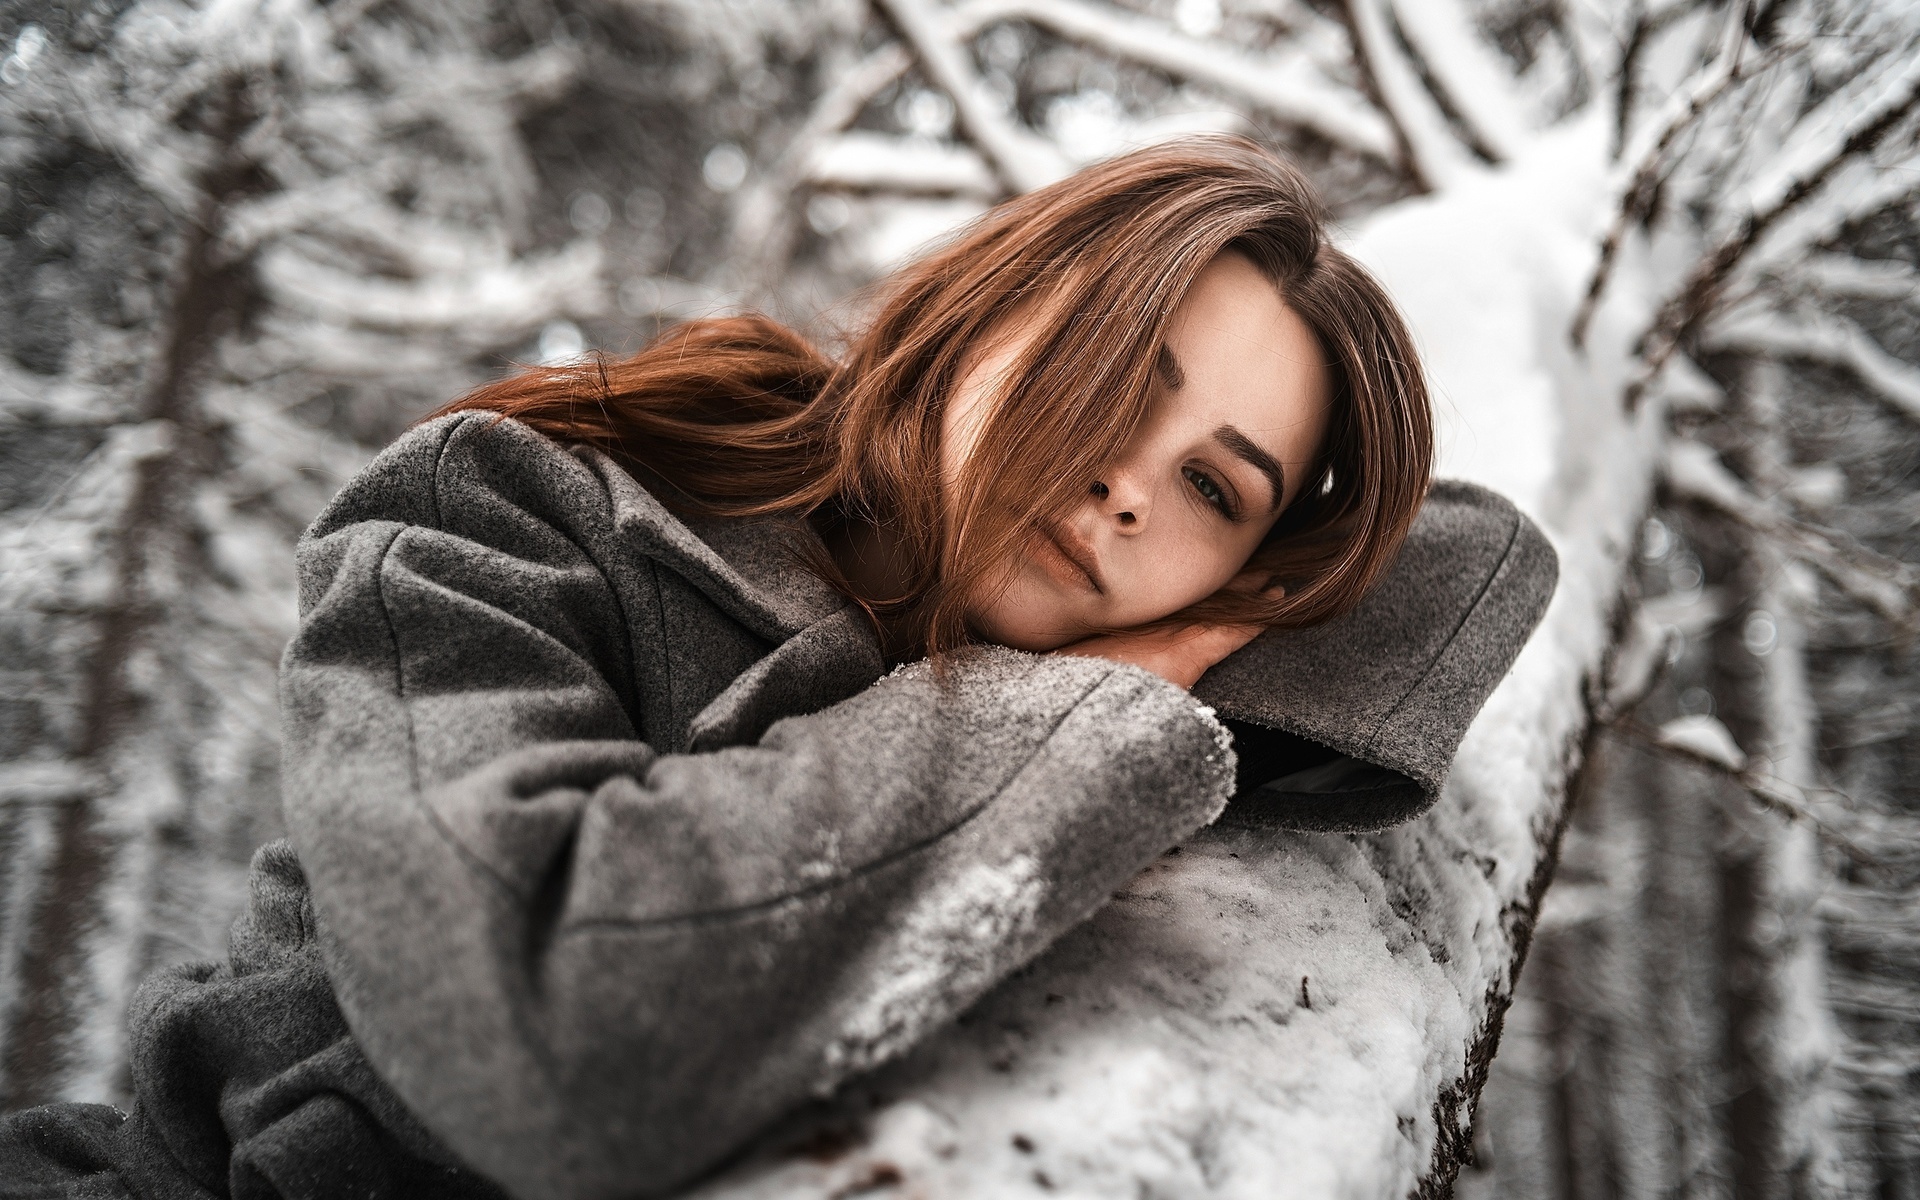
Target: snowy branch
x=1885, y=585
x=1637, y=664
x=760, y=240
x=1434, y=155
x=1800, y=174
x=48, y=783
x=1285, y=84
x=1859, y=189
x=1644, y=160
x=1636, y=46
x=839, y=106
x=348, y=210
x=1831, y=340
x=1476, y=83
x=487, y=303
x=1844, y=275
x=1705, y=742
x=1022, y=160
x=863, y=161
x=1877, y=1001
x=1871, y=912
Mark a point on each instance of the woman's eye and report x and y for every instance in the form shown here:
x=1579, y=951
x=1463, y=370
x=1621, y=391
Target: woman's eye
x=1210, y=491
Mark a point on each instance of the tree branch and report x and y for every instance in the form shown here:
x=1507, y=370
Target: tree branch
x=1477, y=84
x=1885, y=585
x=1287, y=86
x=1790, y=184
x=1859, y=189
x=1856, y=278
x=1434, y=155
x=1022, y=161
x=1828, y=339
x=1788, y=800
x=862, y=161
x=760, y=242
x=1645, y=158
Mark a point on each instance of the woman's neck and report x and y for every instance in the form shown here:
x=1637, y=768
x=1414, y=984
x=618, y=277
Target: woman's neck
x=873, y=561
x=872, y=558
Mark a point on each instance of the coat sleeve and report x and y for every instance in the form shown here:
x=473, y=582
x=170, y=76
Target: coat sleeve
x=591, y=968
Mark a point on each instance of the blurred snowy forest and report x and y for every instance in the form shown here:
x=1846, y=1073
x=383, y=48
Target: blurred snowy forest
x=1662, y=253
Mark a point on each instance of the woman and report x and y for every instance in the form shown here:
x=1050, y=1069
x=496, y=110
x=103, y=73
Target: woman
x=615, y=836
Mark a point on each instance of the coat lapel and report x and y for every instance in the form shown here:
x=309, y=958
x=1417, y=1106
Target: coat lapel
x=824, y=649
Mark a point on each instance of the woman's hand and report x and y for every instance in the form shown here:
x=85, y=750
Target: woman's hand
x=1180, y=655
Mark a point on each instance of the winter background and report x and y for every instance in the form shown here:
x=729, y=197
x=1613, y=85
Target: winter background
x=1661, y=255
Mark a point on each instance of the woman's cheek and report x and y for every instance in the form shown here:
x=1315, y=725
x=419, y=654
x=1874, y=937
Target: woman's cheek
x=1171, y=577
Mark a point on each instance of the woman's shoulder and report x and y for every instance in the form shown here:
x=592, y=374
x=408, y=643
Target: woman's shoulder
x=469, y=471
x=476, y=483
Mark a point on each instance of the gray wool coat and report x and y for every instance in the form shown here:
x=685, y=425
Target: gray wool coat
x=612, y=838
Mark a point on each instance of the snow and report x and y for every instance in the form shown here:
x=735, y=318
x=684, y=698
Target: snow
x=1153, y=1045
x=1287, y=84
x=1433, y=154
x=932, y=955
x=1688, y=389
x=1856, y=190
x=385, y=221
x=1468, y=70
x=1818, y=140
x=27, y=48
x=897, y=232
x=863, y=160
x=1023, y=160
x=1703, y=736
x=493, y=296
x=1258, y=1015
x=1885, y=584
x=1817, y=486
x=1845, y=275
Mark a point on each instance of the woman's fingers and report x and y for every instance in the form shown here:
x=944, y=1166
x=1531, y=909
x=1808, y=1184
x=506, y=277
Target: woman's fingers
x=1179, y=656
x=1256, y=581
x=1215, y=642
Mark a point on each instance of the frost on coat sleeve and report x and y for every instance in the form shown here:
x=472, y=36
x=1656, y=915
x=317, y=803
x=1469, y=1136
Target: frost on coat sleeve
x=592, y=965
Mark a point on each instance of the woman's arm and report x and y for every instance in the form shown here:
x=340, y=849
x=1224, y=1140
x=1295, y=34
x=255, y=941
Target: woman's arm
x=592, y=968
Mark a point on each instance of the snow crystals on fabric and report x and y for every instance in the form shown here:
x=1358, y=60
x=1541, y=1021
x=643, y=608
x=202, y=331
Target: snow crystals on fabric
x=1223, y=740
x=936, y=956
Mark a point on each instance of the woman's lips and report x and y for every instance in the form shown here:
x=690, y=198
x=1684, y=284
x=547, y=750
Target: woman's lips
x=1071, y=556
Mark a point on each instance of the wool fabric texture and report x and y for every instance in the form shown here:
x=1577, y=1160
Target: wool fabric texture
x=612, y=838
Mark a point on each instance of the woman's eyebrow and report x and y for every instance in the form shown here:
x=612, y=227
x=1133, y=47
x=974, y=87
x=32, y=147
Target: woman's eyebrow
x=1246, y=450
x=1169, y=368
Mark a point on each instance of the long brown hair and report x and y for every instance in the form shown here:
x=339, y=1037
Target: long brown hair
x=741, y=417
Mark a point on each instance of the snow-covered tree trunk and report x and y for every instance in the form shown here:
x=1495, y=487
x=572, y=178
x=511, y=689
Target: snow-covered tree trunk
x=1678, y=1032
x=1135, y=1057
x=1781, y=1027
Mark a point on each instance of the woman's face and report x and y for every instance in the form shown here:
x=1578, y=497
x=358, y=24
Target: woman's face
x=1237, y=415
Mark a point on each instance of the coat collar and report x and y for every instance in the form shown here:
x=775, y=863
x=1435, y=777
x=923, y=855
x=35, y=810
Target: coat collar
x=824, y=648
x=755, y=570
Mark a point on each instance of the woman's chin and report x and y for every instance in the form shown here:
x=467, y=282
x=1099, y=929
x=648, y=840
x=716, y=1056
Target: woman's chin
x=1025, y=630
x=1039, y=643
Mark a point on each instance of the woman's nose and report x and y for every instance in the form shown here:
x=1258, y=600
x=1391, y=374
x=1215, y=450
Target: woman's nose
x=1118, y=495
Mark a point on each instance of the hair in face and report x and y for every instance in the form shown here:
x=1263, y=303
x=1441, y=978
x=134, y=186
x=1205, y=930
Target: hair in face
x=741, y=417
